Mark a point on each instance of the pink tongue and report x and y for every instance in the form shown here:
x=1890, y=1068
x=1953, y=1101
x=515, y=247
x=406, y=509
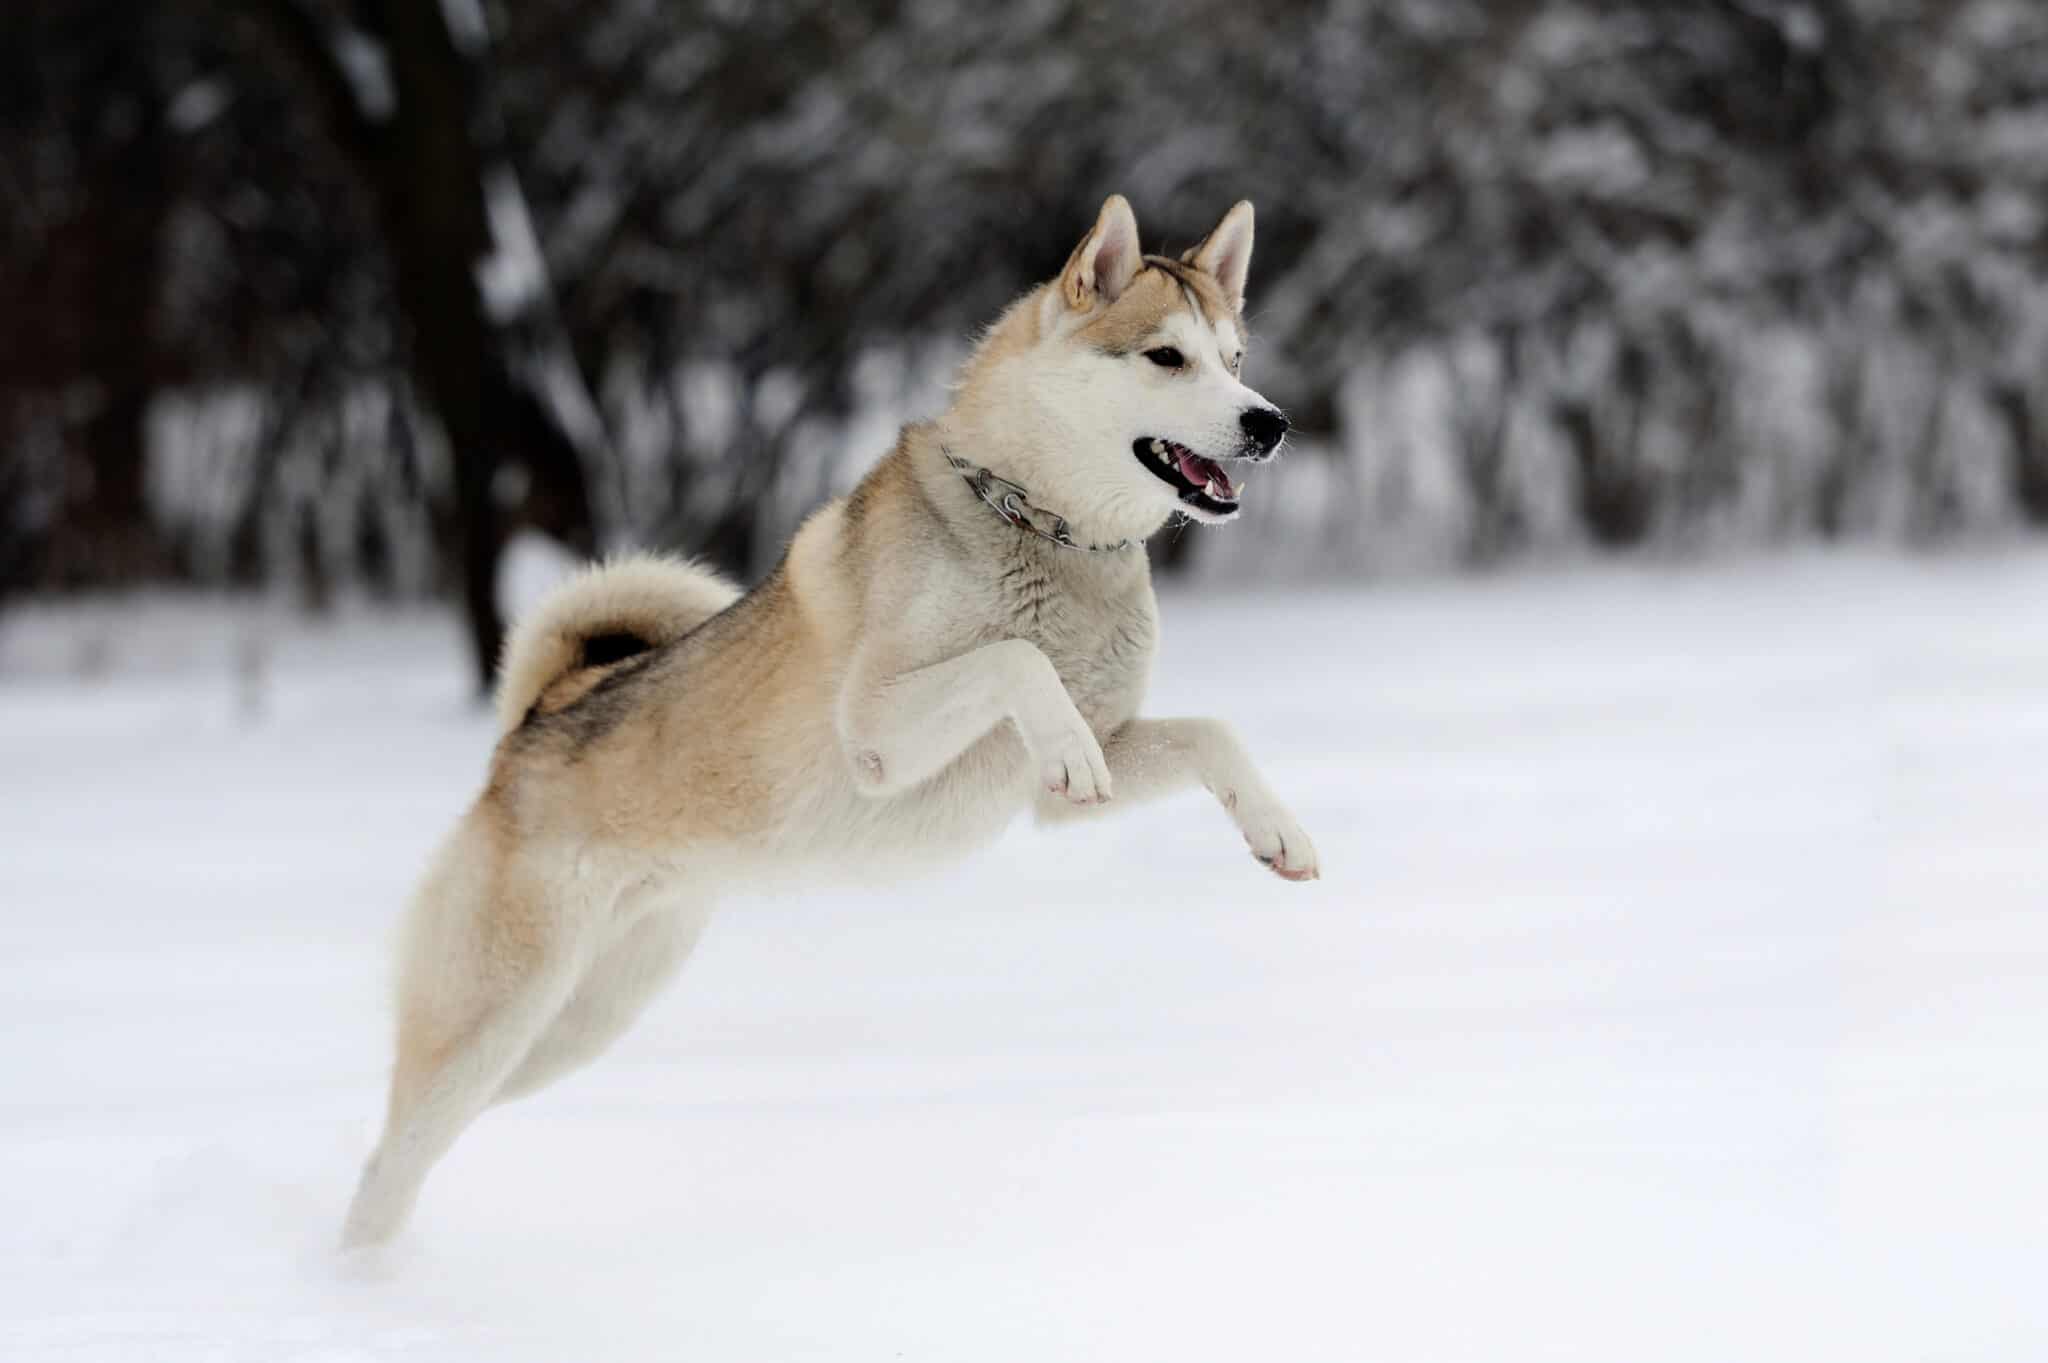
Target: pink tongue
x=1201, y=472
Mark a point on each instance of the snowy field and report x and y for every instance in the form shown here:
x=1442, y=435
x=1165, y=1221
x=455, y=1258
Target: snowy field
x=1677, y=989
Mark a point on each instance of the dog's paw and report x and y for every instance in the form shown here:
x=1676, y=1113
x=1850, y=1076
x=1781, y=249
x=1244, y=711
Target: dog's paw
x=1280, y=843
x=1071, y=766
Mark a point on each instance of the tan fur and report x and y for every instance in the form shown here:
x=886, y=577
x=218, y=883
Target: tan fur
x=1155, y=295
x=655, y=597
x=914, y=674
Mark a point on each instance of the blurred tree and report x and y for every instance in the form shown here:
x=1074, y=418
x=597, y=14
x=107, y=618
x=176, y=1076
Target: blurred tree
x=79, y=325
x=327, y=289
x=404, y=91
x=244, y=144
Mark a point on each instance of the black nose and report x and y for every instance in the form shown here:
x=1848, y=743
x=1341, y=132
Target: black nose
x=1263, y=426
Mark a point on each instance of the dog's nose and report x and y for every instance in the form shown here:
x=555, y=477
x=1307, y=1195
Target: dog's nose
x=1263, y=426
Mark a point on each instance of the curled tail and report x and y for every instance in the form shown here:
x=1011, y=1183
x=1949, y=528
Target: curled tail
x=608, y=612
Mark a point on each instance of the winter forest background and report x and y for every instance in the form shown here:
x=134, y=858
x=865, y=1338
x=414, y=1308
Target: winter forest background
x=339, y=295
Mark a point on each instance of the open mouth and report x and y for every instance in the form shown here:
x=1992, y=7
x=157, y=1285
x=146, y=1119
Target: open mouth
x=1200, y=483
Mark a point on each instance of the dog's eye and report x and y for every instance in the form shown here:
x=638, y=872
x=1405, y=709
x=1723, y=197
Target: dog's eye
x=1166, y=357
x=1237, y=362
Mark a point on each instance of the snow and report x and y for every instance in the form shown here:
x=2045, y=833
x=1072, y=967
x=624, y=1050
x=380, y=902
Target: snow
x=513, y=276
x=467, y=27
x=367, y=68
x=197, y=104
x=1674, y=992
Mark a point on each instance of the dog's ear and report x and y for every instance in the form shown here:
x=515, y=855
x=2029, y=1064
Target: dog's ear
x=1103, y=264
x=1226, y=252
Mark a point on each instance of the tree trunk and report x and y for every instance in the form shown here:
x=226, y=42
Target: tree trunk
x=424, y=162
x=431, y=200
x=105, y=534
x=2026, y=452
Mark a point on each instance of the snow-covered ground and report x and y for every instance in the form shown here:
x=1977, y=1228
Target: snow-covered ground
x=1677, y=989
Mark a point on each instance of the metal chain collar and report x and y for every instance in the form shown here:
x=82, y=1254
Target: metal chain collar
x=1013, y=504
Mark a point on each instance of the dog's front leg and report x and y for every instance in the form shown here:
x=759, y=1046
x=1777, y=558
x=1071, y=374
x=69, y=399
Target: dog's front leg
x=1152, y=758
x=901, y=728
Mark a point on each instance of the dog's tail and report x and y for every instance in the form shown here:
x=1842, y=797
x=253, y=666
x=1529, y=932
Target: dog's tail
x=608, y=612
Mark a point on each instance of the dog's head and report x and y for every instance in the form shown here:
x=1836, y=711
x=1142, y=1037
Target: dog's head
x=1125, y=373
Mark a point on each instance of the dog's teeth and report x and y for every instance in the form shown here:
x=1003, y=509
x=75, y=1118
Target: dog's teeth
x=1159, y=447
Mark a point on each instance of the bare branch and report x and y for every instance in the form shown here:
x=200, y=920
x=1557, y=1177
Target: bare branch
x=300, y=41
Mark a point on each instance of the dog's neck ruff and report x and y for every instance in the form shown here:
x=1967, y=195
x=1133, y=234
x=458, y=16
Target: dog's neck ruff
x=1009, y=500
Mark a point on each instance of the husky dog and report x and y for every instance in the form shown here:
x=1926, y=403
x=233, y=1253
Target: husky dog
x=966, y=634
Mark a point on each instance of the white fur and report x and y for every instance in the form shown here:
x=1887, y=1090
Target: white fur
x=903, y=729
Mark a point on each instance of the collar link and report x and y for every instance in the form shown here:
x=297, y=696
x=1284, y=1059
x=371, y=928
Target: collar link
x=1009, y=501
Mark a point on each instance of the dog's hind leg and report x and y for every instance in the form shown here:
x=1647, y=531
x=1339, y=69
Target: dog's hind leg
x=489, y=965
x=612, y=993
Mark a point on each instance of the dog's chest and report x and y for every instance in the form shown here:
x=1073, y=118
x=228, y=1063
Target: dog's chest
x=1098, y=629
